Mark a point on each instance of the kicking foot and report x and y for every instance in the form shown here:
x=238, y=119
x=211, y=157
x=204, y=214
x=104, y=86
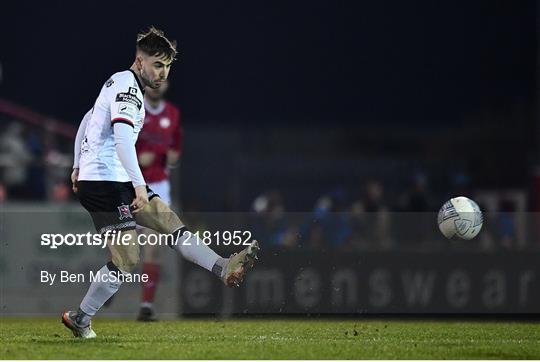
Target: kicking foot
x=239, y=264
x=70, y=320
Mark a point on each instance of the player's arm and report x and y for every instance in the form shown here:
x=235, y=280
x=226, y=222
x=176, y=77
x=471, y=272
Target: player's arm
x=77, y=149
x=123, y=114
x=125, y=148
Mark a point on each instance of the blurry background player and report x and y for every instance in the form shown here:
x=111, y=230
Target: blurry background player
x=159, y=147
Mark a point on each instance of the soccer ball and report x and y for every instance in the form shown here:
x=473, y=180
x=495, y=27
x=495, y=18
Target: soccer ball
x=461, y=217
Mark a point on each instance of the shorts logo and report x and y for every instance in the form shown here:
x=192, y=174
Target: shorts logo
x=124, y=212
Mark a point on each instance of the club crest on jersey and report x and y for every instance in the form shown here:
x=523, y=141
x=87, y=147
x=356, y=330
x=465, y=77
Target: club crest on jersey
x=164, y=122
x=124, y=212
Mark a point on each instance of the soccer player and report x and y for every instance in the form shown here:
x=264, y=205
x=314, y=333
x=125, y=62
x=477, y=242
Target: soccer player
x=110, y=185
x=159, y=147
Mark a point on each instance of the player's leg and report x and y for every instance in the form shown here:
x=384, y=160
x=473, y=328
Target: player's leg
x=158, y=216
x=107, y=203
x=124, y=258
x=105, y=284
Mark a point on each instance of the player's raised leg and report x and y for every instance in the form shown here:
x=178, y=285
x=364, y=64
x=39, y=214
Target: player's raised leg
x=158, y=216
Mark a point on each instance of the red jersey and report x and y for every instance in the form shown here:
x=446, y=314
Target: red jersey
x=162, y=131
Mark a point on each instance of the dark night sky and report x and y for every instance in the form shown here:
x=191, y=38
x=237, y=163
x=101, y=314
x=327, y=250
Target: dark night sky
x=288, y=62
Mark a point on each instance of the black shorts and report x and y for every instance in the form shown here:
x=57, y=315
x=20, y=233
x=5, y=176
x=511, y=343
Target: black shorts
x=108, y=203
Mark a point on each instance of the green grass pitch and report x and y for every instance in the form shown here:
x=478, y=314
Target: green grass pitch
x=272, y=339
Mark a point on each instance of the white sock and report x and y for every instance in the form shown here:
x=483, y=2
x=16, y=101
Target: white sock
x=100, y=291
x=193, y=249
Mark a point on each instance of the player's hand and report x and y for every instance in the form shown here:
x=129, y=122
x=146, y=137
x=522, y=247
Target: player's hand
x=146, y=158
x=140, y=200
x=172, y=158
x=74, y=177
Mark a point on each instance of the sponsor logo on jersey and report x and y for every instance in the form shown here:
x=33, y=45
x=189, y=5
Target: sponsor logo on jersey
x=132, y=90
x=129, y=98
x=124, y=212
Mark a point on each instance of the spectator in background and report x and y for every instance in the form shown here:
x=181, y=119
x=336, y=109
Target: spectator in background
x=418, y=213
x=56, y=163
x=36, y=182
x=461, y=185
x=506, y=225
x=60, y=192
x=328, y=226
x=370, y=219
x=15, y=159
x=270, y=223
x=3, y=194
x=416, y=199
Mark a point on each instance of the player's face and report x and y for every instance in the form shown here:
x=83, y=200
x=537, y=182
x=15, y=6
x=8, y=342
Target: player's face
x=153, y=70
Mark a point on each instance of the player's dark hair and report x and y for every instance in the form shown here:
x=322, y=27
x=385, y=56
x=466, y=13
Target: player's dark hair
x=154, y=43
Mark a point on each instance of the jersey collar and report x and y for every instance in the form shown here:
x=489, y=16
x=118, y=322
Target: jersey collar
x=137, y=79
x=156, y=110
